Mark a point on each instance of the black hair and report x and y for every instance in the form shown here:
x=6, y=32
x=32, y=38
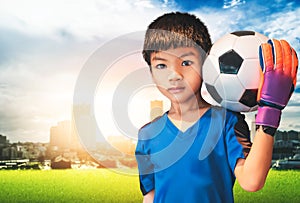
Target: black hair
x=174, y=30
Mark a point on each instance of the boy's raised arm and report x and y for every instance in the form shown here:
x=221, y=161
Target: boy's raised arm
x=279, y=63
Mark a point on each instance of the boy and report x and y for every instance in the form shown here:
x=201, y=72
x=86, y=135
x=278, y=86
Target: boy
x=192, y=152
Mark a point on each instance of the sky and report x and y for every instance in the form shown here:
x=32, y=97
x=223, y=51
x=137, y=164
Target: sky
x=44, y=45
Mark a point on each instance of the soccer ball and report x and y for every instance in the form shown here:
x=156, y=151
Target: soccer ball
x=231, y=72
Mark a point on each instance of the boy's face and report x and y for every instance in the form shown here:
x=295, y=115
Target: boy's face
x=176, y=73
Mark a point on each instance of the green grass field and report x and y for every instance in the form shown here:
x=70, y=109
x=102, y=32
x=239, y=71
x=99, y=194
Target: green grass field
x=103, y=185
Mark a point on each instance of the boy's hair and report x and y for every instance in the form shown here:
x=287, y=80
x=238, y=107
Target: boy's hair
x=174, y=30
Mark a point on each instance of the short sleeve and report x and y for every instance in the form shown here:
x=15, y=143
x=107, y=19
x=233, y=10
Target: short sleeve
x=146, y=170
x=242, y=133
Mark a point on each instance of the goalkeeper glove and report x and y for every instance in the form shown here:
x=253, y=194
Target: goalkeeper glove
x=279, y=63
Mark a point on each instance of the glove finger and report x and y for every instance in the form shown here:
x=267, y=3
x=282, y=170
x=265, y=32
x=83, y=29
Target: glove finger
x=294, y=66
x=262, y=66
x=266, y=64
x=260, y=86
x=277, y=54
x=287, y=54
x=266, y=57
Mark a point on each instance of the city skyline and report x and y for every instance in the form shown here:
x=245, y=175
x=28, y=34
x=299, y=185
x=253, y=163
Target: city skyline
x=64, y=135
x=45, y=45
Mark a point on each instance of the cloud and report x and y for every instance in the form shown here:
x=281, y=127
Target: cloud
x=275, y=21
x=232, y=3
x=31, y=103
x=293, y=126
x=44, y=45
x=81, y=19
x=37, y=77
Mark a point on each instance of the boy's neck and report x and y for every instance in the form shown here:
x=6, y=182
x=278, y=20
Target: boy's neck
x=188, y=111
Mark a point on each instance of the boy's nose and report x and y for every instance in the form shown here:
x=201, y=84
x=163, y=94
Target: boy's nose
x=174, y=76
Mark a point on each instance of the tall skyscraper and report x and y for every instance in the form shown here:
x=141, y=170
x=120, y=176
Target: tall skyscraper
x=156, y=107
x=60, y=135
x=84, y=126
x=3, y=140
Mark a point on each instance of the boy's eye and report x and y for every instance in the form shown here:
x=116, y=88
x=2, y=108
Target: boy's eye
x=160, y=66
x=187, y=63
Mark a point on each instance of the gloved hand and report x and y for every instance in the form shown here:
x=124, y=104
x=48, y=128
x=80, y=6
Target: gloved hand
x=279, y=63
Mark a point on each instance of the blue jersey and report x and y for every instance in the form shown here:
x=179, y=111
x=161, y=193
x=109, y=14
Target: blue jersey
x=192, y=166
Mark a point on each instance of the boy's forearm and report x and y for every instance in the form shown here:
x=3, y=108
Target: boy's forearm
x=280, y=64
x=252, y=172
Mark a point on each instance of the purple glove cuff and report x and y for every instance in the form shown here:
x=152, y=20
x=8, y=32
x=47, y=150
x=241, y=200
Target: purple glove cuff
x=277, y=93
x=268, y=116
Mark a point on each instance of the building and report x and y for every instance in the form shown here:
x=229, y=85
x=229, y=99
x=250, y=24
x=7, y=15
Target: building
x=60, y=135
x=84, y=127
x=122, y=144
x=9, y=152
x=3, y=140
x=287, y=135
x=4, y=147
x=286, y=145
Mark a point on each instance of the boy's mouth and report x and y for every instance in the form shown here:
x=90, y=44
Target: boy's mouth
x=175, y=90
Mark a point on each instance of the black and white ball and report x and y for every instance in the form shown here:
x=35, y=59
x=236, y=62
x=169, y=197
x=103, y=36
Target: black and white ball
x=231, y=72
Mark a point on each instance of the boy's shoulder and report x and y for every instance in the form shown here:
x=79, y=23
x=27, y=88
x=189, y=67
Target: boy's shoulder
x=152, y=123
x=226, y=113
x=238, y=115
x=154, y=127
